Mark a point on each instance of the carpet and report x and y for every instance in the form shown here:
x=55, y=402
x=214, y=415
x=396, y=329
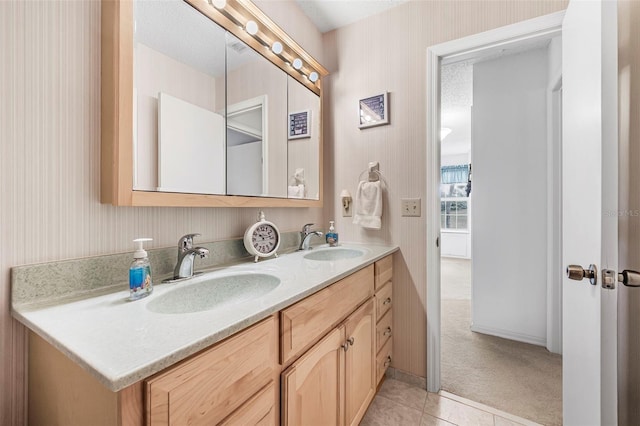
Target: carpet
x=519, y=378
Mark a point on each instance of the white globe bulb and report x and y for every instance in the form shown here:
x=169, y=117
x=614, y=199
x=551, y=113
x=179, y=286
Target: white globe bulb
x=313, y=76
x=276, y=47
x=252, y=27
x=297, y=63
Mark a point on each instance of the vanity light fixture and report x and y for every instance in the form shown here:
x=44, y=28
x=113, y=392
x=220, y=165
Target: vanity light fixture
x=276, y=47
x=251, y=27
x=313, y=77
x=297, y=63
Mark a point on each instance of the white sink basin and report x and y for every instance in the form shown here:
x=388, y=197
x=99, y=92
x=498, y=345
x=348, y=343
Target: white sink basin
x=214, y=293
x=333, y=254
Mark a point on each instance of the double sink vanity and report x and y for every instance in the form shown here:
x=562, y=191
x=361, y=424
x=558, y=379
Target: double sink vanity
x=208, y=103
x=299, y=339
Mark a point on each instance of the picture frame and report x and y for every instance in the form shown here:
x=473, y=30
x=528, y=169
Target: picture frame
x=373, y=111
x=300, y=124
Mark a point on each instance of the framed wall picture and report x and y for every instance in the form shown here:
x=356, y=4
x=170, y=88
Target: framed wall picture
x=300, y=124
x=374, y=110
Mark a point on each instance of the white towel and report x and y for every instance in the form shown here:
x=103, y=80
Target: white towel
x=296, y=191
x=368, y=208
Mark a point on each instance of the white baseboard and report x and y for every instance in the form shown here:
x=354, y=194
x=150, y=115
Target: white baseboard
x=506, y=334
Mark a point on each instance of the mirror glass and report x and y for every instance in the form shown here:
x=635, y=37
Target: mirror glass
x=303, y=136
x=256, y=132
x=212, y=116
x=179, y=95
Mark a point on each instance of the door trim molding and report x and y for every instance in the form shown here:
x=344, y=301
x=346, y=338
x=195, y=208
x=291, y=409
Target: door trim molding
x=445, y=53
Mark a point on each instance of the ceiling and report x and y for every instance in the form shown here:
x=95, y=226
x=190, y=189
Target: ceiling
x=328, y=15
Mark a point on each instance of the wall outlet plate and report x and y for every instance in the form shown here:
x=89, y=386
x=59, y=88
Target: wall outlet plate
x=411, y=207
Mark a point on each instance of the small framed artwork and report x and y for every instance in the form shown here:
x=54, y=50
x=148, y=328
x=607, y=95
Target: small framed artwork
x=300, y=124
x=374, y=110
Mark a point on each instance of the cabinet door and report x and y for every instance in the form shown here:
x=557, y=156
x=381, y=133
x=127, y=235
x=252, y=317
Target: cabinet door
x=303, y=323
x=206, y=388
x=360, y=363
x=313, y=386
x=260, y=410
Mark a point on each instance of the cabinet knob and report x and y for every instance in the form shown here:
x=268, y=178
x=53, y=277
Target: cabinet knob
x=387, y=362
x=386, y=301
x=387, y=332
x=350, y=340
x=345, y=346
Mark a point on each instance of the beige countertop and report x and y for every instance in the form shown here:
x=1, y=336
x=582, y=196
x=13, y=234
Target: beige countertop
x=122, y=342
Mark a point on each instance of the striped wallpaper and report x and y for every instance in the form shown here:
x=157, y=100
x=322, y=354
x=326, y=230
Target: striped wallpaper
x=50, y=139
x=50, y=164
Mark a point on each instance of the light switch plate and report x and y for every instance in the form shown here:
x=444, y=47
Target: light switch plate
x=411, y=207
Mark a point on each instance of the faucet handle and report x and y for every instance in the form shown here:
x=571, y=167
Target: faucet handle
x=307, y=228
x=186, y=241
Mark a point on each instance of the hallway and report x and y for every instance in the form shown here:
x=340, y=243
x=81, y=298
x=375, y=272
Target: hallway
x=519, y=378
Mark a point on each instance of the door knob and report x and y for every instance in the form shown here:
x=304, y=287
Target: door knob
x=577, y=272
x=629, y=278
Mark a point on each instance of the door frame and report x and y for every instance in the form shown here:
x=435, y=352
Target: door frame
x=449, y=52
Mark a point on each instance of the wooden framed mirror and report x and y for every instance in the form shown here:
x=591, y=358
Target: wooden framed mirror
x=169, y=137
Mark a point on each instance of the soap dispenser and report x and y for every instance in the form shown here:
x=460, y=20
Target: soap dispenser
x=332, y=235
x=140, y=284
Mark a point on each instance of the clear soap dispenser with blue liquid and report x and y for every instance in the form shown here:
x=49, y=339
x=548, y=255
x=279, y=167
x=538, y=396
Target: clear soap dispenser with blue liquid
x=332, y=235
x=140, y=283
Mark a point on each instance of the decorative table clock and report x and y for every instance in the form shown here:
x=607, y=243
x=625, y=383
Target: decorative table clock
x=262, y=239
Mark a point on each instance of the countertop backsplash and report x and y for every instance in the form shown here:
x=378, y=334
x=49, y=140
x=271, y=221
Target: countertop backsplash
x=74, y=279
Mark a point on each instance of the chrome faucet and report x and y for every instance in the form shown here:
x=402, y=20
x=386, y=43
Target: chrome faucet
x=186, y=255
x=305, y=236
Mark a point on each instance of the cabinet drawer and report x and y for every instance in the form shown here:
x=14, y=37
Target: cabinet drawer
x=384, y=300
x=205, y=389
x=260, y=410
x=306, y=321
x=383, y=360
x=383, y=330
x=383, y=270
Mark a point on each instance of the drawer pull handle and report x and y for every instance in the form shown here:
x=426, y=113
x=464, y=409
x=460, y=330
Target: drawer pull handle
x=387, y=332
x=387, y=362
x=350, y=340
x=386, y=301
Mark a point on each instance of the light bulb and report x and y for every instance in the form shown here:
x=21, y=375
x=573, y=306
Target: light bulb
x=313, y=76
x=297, y=63
x=218, y=4
x=252, y=27
x=276, y=47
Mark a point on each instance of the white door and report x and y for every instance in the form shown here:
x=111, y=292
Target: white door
x=590, y=203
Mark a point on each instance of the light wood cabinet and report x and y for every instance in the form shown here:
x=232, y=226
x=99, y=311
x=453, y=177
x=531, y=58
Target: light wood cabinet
x=208, y=387
x=334, y=381
x=335, y=345
x=303, y=323
x=260, y=410
x=313, y=386
x=359, y=369
x=383, y=272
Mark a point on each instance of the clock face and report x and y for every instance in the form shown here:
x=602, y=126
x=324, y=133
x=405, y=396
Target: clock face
x=264, y=239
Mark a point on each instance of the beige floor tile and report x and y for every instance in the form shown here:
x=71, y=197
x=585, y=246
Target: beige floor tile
x=455, y=412
x=403, y=393
x=428, y=420
x=384, y=412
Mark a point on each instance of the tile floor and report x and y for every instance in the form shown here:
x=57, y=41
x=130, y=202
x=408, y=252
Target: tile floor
x=398, y=403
